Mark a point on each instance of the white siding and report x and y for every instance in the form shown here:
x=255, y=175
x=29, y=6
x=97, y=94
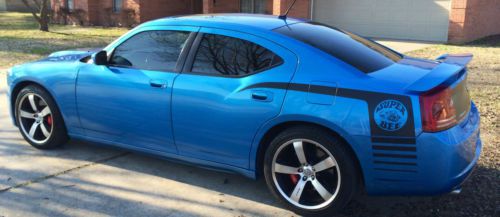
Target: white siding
x=397, y=19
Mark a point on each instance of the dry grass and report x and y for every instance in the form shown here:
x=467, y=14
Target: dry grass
x=20, y=41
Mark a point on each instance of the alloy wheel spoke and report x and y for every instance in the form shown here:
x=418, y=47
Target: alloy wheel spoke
x=25, y=114
x=45, y=111
x=299, y=151
x=324, y=164
x=280, y=168
x=33, y=129
x=44, y=131
x=321, y=190
x=31, y=98
x=297, y=191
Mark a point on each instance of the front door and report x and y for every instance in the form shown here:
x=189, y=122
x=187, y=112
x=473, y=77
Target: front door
x=128, y=101
x=217, y=104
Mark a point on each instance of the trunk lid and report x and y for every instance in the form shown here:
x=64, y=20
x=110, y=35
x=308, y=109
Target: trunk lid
x=440, y=84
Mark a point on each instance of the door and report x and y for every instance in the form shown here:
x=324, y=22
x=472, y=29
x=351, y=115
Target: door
x=401, y=19
x=217, y=104
x=128, y=101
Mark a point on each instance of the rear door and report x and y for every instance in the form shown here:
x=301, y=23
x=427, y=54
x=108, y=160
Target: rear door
x=217, y=104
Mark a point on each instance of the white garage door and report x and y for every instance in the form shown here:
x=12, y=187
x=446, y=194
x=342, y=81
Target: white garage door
x=396, y=19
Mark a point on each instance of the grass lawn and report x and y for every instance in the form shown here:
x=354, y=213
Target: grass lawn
x=20, y=41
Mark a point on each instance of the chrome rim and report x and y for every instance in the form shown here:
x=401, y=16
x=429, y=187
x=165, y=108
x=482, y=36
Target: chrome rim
x=35, y=118
x=306, y=174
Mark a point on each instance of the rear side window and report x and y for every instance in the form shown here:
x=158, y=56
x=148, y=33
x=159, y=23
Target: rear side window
x=228, y=56
x=151, y=50
x=361, y=53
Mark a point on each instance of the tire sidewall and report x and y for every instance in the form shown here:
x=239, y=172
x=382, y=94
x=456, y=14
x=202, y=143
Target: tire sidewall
x=346, y=164
x=58, y=135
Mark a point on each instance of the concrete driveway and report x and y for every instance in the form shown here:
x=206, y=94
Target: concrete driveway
x=83, y=179
x=404, y=46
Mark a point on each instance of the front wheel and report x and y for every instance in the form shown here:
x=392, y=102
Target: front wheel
x=39, y=119
x=310, y=171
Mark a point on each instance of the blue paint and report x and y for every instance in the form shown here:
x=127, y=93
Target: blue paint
x=219, y=122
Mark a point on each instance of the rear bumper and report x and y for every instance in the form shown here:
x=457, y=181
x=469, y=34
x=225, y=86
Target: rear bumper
x=443, y=162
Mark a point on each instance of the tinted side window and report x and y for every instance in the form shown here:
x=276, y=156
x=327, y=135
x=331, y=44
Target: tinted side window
x=357, y=51
x=222, y=55
x=151, y=50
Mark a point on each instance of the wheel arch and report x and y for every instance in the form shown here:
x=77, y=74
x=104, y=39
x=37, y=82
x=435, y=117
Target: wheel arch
x=17, y=89
x=271, y=132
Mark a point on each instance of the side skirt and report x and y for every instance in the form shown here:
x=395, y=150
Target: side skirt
x=171, y=157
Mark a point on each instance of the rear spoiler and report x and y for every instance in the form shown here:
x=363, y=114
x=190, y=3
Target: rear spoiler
x=450, y=69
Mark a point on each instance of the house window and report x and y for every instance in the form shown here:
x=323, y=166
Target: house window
x=70, y=4
x=253, y=6
x=117, y=5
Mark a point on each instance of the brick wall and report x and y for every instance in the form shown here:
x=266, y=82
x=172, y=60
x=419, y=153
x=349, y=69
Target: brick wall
x=221, y=6
x=473, y=19
x=153, y=9
x=302, y=8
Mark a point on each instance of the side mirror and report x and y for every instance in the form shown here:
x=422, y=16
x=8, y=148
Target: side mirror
x=100, y=58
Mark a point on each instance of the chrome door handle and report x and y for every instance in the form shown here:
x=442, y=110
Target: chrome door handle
x=158, y=84
x=262, y=96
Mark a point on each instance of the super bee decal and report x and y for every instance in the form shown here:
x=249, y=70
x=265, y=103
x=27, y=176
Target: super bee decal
x=390, y=115
x=393, y=123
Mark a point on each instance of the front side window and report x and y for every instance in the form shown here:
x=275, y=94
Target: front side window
x=117, y=5
x=151, y=50
x=227, y=56
x=361, y=53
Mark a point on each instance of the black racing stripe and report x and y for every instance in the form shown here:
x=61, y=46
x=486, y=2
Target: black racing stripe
x=395, y=163
x=406, y=156
x=394, y=140
x=405, y=135
x=394, y=148
x=274, y=85
x=395, y=170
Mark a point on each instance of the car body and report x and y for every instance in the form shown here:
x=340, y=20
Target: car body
x=372, y=102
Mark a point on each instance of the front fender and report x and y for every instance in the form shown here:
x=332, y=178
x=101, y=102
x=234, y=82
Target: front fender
x=58, y=79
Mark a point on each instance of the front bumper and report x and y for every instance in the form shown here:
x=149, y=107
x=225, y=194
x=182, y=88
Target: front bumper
x=443, y=162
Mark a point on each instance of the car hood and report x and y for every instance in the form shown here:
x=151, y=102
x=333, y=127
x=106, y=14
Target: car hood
x=71, y=55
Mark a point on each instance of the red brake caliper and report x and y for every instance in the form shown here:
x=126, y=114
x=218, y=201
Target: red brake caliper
x=49, y=120
x=294, y=178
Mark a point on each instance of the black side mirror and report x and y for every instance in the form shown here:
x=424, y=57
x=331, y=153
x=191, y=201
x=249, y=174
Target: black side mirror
x=100, y=58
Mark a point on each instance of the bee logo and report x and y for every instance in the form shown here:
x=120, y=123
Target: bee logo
x=390, y=115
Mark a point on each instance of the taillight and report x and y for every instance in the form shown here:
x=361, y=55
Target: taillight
x=438, y=111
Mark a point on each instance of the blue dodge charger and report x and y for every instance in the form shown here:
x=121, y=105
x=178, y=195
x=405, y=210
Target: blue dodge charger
x=321, y=113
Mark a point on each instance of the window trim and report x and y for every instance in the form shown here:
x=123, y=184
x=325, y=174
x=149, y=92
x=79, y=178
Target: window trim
x=189, y=63
x=181, y=60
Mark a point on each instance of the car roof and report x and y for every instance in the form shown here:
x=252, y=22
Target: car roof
x=227, y=21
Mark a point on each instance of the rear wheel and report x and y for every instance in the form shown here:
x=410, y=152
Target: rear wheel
x=310, y=171
x=39, y=119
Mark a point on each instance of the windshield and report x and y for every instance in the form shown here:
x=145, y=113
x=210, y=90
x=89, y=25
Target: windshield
x=364, y=54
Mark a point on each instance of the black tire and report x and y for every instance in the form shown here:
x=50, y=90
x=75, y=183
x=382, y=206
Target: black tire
x=349, y=178
x=58, y=134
